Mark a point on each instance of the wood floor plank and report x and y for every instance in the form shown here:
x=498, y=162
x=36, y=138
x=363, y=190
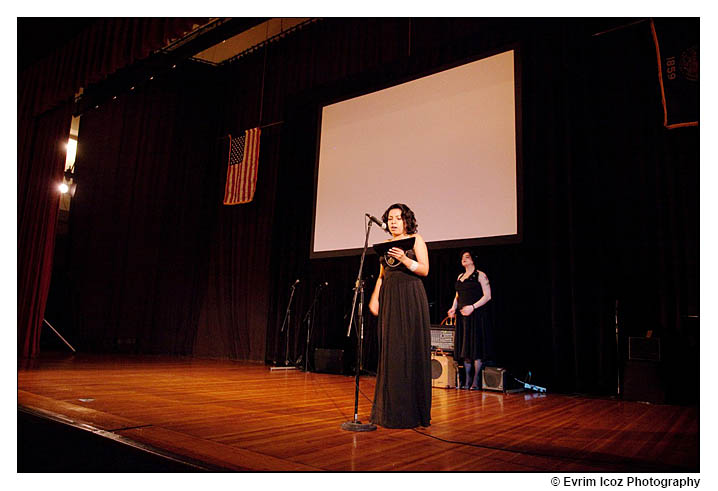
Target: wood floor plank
x=220, y=455
x=75, y=413
x=243, y=416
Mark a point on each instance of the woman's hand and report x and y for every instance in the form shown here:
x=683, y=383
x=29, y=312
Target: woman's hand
x=452, y=313
x=466, y=310
x=374, y=300
x=397, y=253
x=374, y=306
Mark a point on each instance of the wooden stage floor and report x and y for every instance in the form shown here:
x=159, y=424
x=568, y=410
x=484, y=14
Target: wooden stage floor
x=238, y=416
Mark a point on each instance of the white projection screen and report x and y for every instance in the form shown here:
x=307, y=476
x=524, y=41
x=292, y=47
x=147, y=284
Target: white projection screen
x=444, y=144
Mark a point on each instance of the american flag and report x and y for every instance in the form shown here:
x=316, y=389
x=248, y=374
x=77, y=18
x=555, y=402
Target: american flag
x=242, y=168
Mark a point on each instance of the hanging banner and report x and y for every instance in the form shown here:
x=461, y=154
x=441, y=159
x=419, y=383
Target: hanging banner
x=677, y=50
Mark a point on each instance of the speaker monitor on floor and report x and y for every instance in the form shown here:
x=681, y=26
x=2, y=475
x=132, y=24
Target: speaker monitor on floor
x=493, y=378
x=329, y=360
x=443, y=371
x=642, y=381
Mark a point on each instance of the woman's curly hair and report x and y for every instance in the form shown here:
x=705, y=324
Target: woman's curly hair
x=407, y=216
x=471, y=254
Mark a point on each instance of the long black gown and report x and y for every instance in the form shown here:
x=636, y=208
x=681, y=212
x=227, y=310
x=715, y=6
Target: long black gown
x=473, y=333
x=402, y=398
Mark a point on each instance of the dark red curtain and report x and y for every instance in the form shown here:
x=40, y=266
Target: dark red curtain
x=609, y=201
x=45, y=92
x=41, y=160
x=233, y=317
x=97, y=52
x=140, y=224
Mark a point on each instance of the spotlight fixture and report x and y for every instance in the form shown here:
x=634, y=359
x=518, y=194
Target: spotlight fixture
x=69, y=182
x=71, y=151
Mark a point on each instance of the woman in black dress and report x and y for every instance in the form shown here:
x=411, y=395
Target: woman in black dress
x=402, y=398
x=471, y=339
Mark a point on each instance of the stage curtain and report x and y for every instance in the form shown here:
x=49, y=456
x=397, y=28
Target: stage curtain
x=258, y=253
x=95, y=53
x=41, y=160
x=139, y=223
x=607, y=215
x=45, y=92
x=609, y=202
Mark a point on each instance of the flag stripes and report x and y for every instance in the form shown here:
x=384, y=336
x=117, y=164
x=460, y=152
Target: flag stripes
x=242, y=168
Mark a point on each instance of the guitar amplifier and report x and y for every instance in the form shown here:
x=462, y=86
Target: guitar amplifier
x=493, y=379
x=442, y=338
x=443, y=371
x=648, y=349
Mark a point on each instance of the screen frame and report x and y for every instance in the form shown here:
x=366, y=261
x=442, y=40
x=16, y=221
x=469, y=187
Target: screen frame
x=345, y=94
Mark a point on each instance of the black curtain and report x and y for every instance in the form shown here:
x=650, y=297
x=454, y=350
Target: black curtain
x=140, y=219
x=97, y=51
x=645, y=180
x=609, y=201
x=45, y=90
x=234, y=315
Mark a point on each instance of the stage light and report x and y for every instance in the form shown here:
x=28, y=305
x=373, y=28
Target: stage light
x=69, y=184
x=71, y=152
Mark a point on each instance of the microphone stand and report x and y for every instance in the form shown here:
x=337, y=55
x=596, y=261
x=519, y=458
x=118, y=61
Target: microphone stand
x=308, y=319
x=285, y=323
x=618, y=354
x=355, y=424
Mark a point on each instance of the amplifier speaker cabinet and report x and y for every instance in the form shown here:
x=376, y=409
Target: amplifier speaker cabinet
x=329, y=360
x=493, y=378
x=442, y=338
x=642, y=382
x=443, y=371
x=645, y=349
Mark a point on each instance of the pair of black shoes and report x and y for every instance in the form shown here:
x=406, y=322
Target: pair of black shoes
x=466, y=387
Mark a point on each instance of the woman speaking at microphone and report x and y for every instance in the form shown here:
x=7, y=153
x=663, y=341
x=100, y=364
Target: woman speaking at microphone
x=402, y=398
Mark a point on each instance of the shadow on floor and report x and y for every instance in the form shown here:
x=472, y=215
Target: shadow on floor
x=45, y=445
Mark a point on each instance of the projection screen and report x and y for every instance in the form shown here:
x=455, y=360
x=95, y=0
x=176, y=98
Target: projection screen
x=444, y=144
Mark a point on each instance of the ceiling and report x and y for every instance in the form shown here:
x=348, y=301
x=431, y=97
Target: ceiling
x=37, y=37
x=218, y=41
x=223, y=38
x=248, y=39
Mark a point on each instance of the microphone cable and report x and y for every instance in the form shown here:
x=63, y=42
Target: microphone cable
x=623, y=460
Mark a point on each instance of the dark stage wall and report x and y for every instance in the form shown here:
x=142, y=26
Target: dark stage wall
x=155, y=264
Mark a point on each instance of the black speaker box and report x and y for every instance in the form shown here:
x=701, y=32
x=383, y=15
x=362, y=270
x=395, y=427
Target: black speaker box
x=642, y=382
x=646, y=349
x=329, y=360
x=493, y=378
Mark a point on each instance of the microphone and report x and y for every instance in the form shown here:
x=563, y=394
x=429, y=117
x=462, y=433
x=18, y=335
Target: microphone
x=320, y=286
x=295, y=283
x=381, y=224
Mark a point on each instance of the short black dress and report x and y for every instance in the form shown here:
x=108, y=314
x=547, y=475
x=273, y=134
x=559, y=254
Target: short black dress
x=402, y=398
x=472, y=338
